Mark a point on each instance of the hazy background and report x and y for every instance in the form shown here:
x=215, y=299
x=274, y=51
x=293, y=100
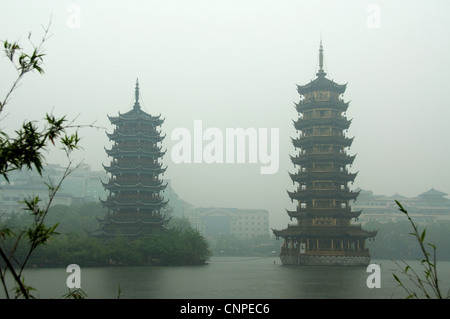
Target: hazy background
x=236, y=64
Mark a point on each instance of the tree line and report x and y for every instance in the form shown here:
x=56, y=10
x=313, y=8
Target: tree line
x=179, y=244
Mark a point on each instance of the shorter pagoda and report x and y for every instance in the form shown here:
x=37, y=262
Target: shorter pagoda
x=135, y=203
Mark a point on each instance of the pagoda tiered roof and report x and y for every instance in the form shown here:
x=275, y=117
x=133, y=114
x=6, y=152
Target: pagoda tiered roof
x=323, y=175
x=114, y=186
x=134, y=221
x=342, y=123
x=141, y=135
x=339, y=158
x=136, y=115
x=116, y=169
x=321, y=83
x=310, y=140
x=140, y=232
x=339, y=194
x=116, y=151
x=310, y=104
x=133, y=204
x=323, y=212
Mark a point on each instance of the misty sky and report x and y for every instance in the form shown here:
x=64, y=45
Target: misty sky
x=236, y=64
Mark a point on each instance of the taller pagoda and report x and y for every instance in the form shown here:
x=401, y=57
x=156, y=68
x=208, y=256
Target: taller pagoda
x=135, y=203
x=323, y=233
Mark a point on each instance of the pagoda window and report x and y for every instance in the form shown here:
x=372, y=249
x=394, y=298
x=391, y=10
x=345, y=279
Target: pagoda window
x=323, y=185
x=322, y=95
x=318, y=113
x=324, y=221
x=321, y=130
x=302, y=205
x=307, y=132
x=325, y=148
x=323, y=203
x=335, y=114
x=336, y=131
x=322, y=166
x=308, y=114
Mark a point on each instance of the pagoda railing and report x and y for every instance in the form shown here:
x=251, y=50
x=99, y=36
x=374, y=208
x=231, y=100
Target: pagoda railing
x=325, y=251
x=153, y=200
x=332, y=169
x=290, y=225
x=134, y=130
x=322, y=134
x=312, y=99
x=329, y=188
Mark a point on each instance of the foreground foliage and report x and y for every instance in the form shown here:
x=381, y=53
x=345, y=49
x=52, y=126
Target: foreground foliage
x=427, y=282
x=393, y=240
x=36, y=242
x=25, y=150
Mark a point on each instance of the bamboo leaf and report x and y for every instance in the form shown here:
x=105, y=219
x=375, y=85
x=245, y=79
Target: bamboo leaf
x=422, y=237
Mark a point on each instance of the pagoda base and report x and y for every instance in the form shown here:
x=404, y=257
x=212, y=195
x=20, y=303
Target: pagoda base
x=325, y=260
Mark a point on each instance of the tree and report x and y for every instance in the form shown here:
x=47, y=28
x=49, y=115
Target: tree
x=26, y=150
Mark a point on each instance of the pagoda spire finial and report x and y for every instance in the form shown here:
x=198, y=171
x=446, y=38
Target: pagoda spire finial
x=136, y=95
x=321, y=71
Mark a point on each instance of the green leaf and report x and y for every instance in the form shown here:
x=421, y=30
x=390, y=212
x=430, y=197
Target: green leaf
x=423, y=236
x=401, y=207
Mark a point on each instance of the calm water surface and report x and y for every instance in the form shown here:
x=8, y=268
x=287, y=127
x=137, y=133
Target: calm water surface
x=227, y=278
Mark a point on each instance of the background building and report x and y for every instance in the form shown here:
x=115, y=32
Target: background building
x=242, y=223
x=432, y=205
x=82, y=186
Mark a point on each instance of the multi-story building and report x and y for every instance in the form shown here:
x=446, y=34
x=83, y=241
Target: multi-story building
x=242, y=223
x=429, y=206
x=82, y=185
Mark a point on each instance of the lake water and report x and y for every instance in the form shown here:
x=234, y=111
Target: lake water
x=228, y=278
